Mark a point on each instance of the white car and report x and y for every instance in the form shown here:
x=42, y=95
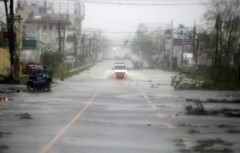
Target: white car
x=120, y=71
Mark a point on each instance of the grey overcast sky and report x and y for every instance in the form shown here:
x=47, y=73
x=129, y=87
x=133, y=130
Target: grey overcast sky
x=120, y=18
x=125, y=18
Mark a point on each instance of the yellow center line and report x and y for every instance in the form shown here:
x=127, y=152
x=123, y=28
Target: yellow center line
x=149, y=101
x=159, y=115
x=50, y=144
x=169, y=126
x=154, y=107
x=188, y=143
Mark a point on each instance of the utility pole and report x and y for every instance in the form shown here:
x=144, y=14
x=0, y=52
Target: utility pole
x=10, y=18
x=61, y=45
x=94, y=46
x=217, y=27
x=195, y=49
x=171, y=51
x=75, y=46
x=90, y=49
x=183, y=49
x=59, y=38
x=83, y=49
x=19, y=40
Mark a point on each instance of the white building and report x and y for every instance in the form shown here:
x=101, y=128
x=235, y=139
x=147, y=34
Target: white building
x=42, y=22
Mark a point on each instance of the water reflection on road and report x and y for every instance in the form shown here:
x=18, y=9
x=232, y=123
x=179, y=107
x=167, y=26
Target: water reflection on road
x=91, y=112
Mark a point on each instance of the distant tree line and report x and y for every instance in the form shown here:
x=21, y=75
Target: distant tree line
x=221, y=43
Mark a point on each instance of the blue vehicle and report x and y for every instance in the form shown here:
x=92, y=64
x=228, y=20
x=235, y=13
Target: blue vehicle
x=39, y=80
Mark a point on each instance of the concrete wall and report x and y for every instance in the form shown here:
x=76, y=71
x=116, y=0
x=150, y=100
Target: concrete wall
x=4, y=52
x=4, y=61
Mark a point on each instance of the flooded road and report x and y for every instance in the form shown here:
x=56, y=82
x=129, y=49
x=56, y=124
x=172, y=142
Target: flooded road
x=91, y=112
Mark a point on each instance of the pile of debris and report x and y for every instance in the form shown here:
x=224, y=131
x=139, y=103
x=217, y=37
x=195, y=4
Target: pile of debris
x=24, y=116
x=181, y=82
x=198, y=109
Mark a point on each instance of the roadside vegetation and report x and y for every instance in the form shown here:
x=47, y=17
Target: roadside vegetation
x=204, y=146
x=217, y=53
x=227, y=80
x=198, y=108
x=208, y=146
x=54, y=62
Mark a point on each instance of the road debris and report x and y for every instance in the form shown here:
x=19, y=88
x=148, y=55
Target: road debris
x=4, y=147
x=24, y=116
x=2, y=134
x=212, y=145
x=231, y=112
x=234, y=101
x=181, y=82
x=198, y=108
x=2, y=98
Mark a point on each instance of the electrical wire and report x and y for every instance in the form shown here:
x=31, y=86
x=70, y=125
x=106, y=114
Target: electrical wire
x=121, y=32
x=143, y=4
x=153, y=30
x=108, y=21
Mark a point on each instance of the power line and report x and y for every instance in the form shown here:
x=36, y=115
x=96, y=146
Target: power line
x=144, y=4
x=151, y=0
x=153, y=30
x=108, y=21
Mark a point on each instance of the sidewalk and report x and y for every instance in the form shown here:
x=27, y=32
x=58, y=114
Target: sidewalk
x=10, y=88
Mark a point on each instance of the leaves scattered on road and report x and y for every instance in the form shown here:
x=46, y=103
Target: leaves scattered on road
x=4, y=147
x=204, y=146
x=197, y=108
x=193, y=131
x=24, y=116
x=226, y=126
x=233, y=131
x=207, y=146
x=2, y=134
x=233, y=101
x=179, y=142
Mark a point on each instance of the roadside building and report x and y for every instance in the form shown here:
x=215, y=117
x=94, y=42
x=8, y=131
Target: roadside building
x=44, y=23
x=182, y=48
x=4, y=52
x=4, y=47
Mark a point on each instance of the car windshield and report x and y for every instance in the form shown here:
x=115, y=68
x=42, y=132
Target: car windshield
x=120, y=67
x=119, y=76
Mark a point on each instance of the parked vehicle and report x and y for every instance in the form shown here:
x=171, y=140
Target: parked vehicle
x=39, y=80
x=30, y=66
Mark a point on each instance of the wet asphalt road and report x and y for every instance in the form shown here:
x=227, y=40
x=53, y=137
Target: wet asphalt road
x=91, y=112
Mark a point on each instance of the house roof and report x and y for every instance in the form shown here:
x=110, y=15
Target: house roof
x=53, y=21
